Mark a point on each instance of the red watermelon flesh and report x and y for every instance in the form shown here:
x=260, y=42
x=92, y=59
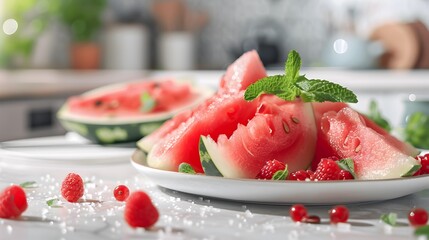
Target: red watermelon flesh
x=375, y=157
x=280, y=130
x=126, y=101
x=244, y=71
x=324, y=148
x=221, y=116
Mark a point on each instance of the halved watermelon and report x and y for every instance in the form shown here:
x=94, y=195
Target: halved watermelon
x=374, y=155
x=323, y=147
x=118, y=113
x=280, y=130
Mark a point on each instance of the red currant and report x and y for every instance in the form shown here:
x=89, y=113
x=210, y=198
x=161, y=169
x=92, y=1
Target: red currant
x=297, y=212
x=121, y=193
x=418, y=217
x=345, y=175
x=339, y=214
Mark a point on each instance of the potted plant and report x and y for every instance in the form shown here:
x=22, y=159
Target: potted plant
x=83, y=19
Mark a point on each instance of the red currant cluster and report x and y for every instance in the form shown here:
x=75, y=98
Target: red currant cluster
x=418, y=217
x=338, y=214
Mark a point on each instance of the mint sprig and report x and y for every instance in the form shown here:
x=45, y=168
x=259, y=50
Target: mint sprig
x=28, y=184
x=292, y=85
x=424, y=230
x=281, y=174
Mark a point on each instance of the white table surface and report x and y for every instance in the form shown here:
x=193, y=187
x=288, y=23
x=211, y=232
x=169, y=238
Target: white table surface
x=182, y=216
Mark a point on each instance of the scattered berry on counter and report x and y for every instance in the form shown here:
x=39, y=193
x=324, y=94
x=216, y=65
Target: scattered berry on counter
x=140, y=211
x=327, y=169
x=270, y=169
x=418, y=217
x=121, y=193
x=339, y=214
x=72, y=187
x=13, y=202
x=314, y=219
x=298, y=212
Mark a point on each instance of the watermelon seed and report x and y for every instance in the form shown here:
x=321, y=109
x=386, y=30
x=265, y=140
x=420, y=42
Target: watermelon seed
x=358, y=148
x=286, y=127
x=295, y=120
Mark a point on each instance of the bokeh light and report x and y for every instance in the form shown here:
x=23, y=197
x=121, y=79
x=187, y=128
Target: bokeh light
x=340, y=46
x=10, y=26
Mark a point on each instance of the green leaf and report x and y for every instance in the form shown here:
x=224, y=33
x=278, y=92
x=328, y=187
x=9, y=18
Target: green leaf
x=147, y=102
x=186, y=168
x=375, y=115
x=271, y=85
x=292, y=66
x=281, y=174
x=53, y=202
x=347, y=164
x=317, y=90
x=29, y=184
x=424, y=230
x=389, y=218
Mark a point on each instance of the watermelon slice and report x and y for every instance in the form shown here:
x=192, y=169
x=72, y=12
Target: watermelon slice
x=280, y=130
x=374, y=155
x=177, y=140
x=244, y=71
x=323, y=147
x=221, y=116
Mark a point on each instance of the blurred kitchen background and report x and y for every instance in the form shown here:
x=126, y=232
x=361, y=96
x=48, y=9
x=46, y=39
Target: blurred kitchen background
x=50, y=50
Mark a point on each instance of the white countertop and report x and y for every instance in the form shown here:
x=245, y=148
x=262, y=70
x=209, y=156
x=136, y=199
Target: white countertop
x=182, y=216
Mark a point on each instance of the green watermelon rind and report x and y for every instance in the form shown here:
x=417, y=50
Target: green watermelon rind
x=209, y=166
x=108, y=130
x=109, y=134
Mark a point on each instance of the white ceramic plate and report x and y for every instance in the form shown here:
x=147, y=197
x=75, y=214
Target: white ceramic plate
x=281, y=192
x=63, y=150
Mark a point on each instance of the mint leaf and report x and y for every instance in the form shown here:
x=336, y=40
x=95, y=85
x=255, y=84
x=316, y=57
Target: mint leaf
x=422, y=231
x=186, y=168
x=29, y=184
x=271, y=85
x=347, y=164
x=417, y=130
x=317, y=90
x=375, y=115
x=147, y=102
x=291, y=85
x=53, y=202
x=292, y=66
x=281, y=174
x=389, y=218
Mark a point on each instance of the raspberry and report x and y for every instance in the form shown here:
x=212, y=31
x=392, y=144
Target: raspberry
x=139, y=210
x=300, y=175
x=345, y=175
x=13, y=202
x=270, y=168
x=72, y=187
x=327, y=169
x=121, y=193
